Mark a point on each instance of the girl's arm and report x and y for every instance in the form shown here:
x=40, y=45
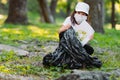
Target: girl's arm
x=64, y=28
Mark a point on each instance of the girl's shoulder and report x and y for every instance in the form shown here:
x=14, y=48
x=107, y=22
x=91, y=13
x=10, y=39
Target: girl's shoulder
x=68, y=18
x=67, y=21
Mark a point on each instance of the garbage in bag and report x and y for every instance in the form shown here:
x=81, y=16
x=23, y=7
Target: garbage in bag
x=70, y=53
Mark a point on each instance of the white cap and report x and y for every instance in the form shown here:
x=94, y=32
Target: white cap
x=83, y=7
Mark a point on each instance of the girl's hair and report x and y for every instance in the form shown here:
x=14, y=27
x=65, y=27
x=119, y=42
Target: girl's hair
x=73, y=19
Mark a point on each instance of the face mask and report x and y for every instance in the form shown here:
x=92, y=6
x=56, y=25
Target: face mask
x=79, y=18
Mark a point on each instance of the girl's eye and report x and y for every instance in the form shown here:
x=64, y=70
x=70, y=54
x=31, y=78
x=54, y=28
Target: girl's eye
x=81, y=13
x=78, y=12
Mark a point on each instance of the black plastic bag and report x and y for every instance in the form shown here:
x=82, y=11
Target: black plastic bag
x=70, y=53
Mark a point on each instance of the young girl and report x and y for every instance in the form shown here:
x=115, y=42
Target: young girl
x=70, y=53
x=80, y=14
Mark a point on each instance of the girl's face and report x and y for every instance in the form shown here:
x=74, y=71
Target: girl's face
x=80, y=16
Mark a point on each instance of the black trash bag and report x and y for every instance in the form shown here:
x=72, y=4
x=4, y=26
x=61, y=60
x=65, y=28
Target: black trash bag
x=70, y=53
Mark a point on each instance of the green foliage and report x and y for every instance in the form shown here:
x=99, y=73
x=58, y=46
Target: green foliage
x=7, y=56
x=60, y=6
x=3, y=6
x=117, y=18
x=33, y=6
x=108, y=11
x=110, y=38
x=109, y=52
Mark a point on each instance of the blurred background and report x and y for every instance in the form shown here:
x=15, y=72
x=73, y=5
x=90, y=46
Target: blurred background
x=102, y=12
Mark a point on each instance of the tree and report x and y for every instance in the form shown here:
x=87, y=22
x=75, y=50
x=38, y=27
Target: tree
x=17, y=12
x=69, y=2
x=45, y=11
x=113, y=21
x=110, y=5
x=1, y=5
x=96, y=14
x=70, y=6
x=53, y=7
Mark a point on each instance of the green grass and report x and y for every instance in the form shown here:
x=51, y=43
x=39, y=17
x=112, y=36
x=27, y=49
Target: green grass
x=10, y=34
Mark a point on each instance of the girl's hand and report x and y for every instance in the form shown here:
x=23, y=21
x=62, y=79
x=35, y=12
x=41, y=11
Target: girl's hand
x=91, y=37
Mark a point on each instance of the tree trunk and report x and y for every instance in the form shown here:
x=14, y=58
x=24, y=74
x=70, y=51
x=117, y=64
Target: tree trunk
x=1, y=5
x=96, y=14
x=113, y=14
x=17, y=12
x=53, y=7
x=69, y=2
x=45, y=11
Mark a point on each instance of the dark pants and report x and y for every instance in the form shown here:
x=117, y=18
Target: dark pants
x=88, y=49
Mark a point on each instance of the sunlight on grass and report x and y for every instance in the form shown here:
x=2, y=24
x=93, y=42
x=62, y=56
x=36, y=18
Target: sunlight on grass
x=10, y=32
x=37, y=30
x=4, y=69
x=14, y=30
